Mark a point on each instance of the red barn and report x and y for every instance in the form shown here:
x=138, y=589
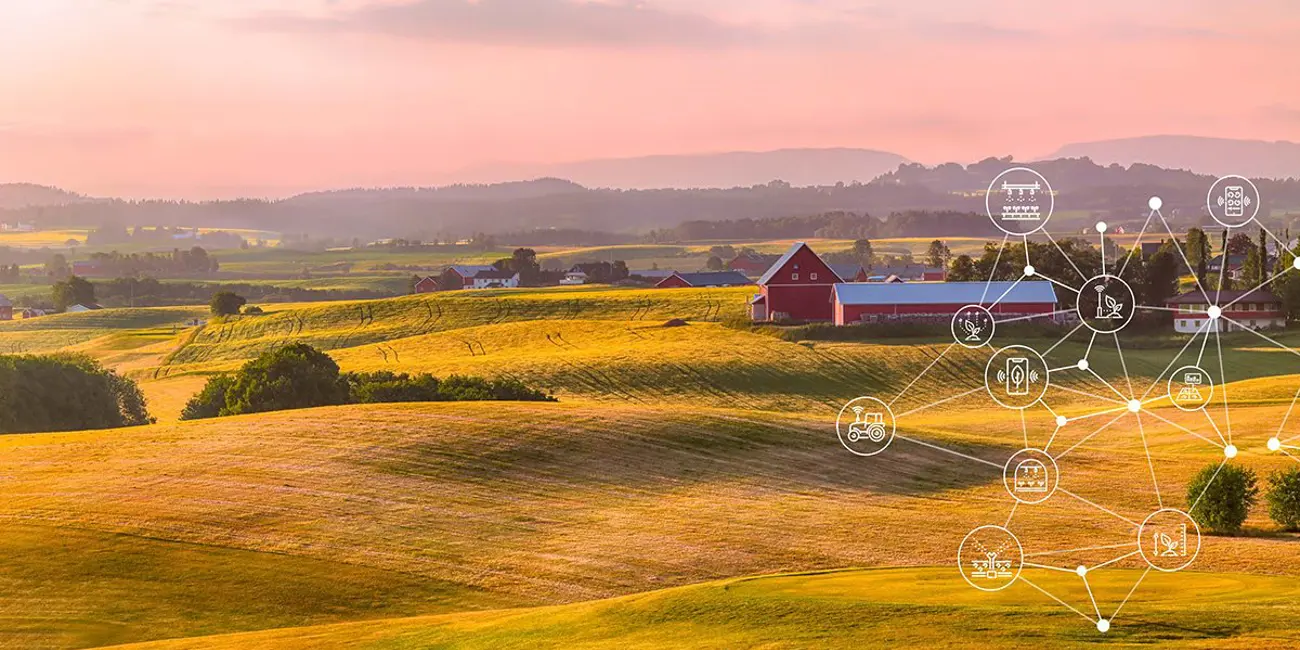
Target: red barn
x=751, y=263
x=872, y=302
x=428, y=284
x=850, y=272
x=461, y=276
x=797, y=287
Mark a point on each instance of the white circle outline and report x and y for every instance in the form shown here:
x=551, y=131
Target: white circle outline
x=1208, y=398
x=1132, y=299
x=1047, y=377
x=1020, y=563
x=993, y=326
x=1209, y=201
x=1056, y=476
x=887, y=410
x=1143, y=553
x=1051, y=197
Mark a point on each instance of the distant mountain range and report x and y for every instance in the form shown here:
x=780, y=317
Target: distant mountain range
x=1214, y=156
x=799, y=167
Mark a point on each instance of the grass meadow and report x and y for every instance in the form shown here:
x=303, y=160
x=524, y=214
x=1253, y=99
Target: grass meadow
x=687, y=491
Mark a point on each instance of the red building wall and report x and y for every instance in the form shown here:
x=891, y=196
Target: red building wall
x=672, y=282
x=426, y=285
x=853, y=313
x=793, y=291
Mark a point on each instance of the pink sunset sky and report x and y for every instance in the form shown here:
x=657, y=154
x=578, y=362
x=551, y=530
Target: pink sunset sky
x=203, y=99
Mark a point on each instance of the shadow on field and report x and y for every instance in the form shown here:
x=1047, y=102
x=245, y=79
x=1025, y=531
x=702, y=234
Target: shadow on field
x=653, y=449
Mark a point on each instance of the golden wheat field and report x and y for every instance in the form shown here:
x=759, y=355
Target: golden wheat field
x=688, y=489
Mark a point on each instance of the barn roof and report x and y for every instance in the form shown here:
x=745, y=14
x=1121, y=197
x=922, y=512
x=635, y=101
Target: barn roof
x=470, y=270
x=947, y=293
x=846, y=272
x=714, y=278
x=493, y=273
x=776, y=266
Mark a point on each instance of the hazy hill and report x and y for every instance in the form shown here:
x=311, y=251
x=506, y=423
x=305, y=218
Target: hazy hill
x=721, y=170
x=23, y=195
x=1215, y=156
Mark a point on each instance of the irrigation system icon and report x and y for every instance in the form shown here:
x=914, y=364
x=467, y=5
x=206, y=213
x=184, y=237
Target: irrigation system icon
x=1018, y=376
x=1107, y=306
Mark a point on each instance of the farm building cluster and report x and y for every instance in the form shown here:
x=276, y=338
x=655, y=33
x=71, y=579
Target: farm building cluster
x=799, y=287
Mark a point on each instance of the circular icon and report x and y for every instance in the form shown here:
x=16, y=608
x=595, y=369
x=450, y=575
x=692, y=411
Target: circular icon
x=1016, y=377
x=1190, y=388
x=972, y=326
x=1233, y=201
x=865, y=426
x=990, y=558
x=1030, y=475
x=1169, y=540
x=1019, y=201
x=1106, y=304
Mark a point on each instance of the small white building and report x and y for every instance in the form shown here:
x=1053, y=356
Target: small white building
x=494, y=279
x=1255, y=310
x=574, y=277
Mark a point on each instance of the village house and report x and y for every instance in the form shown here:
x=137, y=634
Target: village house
x=6, y=308
x=907, y=273
x=469, y=276
x=427, y=284
x=751, y=263
x=850, y=272
x=704, y=279
x=877, y=302
x=573, y=278
x=1253, y=309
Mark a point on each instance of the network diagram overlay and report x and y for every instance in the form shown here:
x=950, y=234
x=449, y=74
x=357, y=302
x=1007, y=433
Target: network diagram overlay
x=1096, y=308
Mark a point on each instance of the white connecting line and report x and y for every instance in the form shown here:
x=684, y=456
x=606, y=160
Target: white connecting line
x=1119, y=404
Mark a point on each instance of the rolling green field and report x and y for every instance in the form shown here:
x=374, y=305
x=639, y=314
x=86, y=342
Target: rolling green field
x=679, y=463
x=842, y=609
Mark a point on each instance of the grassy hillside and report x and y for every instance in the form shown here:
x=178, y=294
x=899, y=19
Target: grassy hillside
x=378, y=511
x=886, y=608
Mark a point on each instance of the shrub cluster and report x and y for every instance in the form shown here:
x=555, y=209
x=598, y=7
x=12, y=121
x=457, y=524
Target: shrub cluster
x=300, y=376
x=65, y=392
x=1222, y=502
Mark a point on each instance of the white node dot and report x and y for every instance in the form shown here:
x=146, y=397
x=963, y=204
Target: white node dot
x=1060, y=420
x=1295, y=264
x=1103, y=625
x=1155, y=202
x=1101, y=226
x=1134, y=406
x=1083, y=364
x=1029, y=270
x=1081, y=570
x=1230, y=451
x=1274, y=444
x=1214, y=312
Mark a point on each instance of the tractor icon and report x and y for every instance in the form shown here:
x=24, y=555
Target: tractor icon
x=866, y=425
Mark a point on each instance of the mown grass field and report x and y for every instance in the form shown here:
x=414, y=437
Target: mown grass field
x=885, y=608
x=680, y=460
